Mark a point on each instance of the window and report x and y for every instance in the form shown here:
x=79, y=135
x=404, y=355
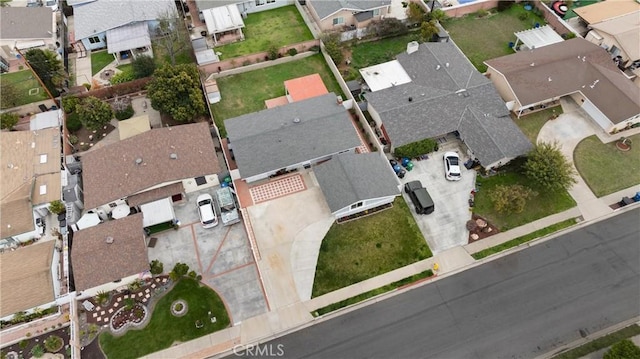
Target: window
x=338, y=21
x=376, y=12
x=43, y=189
x=356, y=205
x=270, y=1
x=43, y=158
x=113, y=205
x=94, y=40
x=259, y=2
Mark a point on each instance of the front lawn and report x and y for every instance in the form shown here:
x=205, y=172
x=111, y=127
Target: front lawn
x=246, y=92
x=371, y=53
x=27, y=88
x=100, y=60
x=605, y=168
x=277, y=27
x=367, y=247
x=165, y=329
x=486, y=38
x=531, y=124
x=544, y=204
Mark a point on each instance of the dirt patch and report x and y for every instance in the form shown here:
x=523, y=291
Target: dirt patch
x=479, y=228
x=88, y=138
x=24, y=350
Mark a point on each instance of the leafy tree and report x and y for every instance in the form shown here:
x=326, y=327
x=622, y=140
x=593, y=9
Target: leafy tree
x=48, y=67
x=170, y=35
x=73, y=122
x=415, y=13
x=333, y=46
x=9, y=95
x=624, y=349
x=387, y=27
x=94, y=113
x=439, y=15
x=547, y=166
x=56, y=207
x=510, y=199
x=156, y=267
x=143, y=66
x=69, y=103
x=8, y=120
x=428, y=29
x=176, y=91
x=179, y=271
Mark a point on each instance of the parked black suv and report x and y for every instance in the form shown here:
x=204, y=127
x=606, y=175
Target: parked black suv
x=420, y=197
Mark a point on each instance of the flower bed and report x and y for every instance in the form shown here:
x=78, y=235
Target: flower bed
x=125, y=317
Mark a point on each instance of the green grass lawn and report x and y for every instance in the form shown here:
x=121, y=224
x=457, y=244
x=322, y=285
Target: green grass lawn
x=24, y=81
x=99, y=60
x=164, y=329
x=367, y=247
x=544, y=204
x=241, y=95
x=486, y=38
x=600, y=343
x=605, y=168
x=277, y=27
x=523, y=239
x=371, y=53
x=531, y=124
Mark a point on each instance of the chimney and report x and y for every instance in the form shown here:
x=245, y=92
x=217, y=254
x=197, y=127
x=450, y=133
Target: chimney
x=339, y=100
x=412, y=47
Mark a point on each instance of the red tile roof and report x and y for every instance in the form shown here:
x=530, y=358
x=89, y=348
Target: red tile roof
x=305, y=87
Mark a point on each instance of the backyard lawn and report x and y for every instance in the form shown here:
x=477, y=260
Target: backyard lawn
x=165, y=329
x=371, y=53
x=544, y=204
x=487, y=38
x=99, y=60
x=28, y=88
x=277, y=27
x=605, y=168
x=354, y=251
x=237, y=100
x=531, y=124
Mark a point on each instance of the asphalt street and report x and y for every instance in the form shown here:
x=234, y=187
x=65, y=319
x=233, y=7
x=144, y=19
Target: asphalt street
x=519, y=306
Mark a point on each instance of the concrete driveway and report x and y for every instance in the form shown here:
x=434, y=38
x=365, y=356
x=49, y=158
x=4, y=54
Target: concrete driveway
x=222, y=255
x=446, y=227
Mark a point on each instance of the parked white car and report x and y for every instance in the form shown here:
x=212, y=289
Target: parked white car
x=452, y=166
x=206, y=211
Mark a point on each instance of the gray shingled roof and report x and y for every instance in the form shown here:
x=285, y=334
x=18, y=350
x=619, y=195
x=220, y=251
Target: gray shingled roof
x=448, y=94
x=26, y=23
x=102, y=15
x=211, y=4
x=325, y=8
x=350, y=178
x=270, y=139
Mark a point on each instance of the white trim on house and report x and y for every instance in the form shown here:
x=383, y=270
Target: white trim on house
x=364, y=205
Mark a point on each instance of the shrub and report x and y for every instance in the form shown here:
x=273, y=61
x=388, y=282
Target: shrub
x=547, y=166
x=193, y=274
x=94, y=113
x=504, y=5
x=69, y=103
x=513, y=198
x=292, y=51
x=388, y=27
x=416, y=149
x=102, y=297
x=56, y=207
x=624, y=349
x=523, y=16
x=8, y=120
x=333, y=47
x=73, y=122
x=314, y=48
x=156, y=267
x=37, y=351
x=122, y=77
x=272, y=52
x=179, y=270
x=53, y=343
x=23, y=344
x=124, y=114
x=87, y=86
x=135, y=285
x=569, y=35
x=482, y=13
x=143, y=66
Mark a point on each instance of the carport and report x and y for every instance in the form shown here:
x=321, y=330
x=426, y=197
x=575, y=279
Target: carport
x=157, y=212
x=536, y=38
x=222, y=20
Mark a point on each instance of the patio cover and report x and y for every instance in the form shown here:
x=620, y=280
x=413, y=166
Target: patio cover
x=88, y=220
x=133, y=126
x=223, y=18
x=157, y=212
x=538, y=37
x=128, y=37
x=384, y=75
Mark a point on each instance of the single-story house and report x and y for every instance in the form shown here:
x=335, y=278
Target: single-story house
x=354, y=183
x=149, y=167
x=289, y=137
x=536, y=38
x=576, y=68
x=111, y=251
x=25, y=28
x=244, y=6
x=605, y=10
x=620, y=36
x=331, y=15
x=31, y=180
x=127, y=34
x=27, y=279
x=432, y=91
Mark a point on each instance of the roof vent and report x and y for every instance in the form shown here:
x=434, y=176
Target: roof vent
x=109, y=239
x=437, y=67
x=412, y=47
x=533, y=64
x=296, y=120
x=410, y=99
x=173, y=156
x=446, y=65
x=139, y=160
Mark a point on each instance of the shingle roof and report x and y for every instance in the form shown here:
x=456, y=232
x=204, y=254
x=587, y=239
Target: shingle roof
x=97, y=262
x=350, y=178
x=26, y=23
x=270, y=139
x=26, y=280
x=626, y=30
x=448, y=94
x=605, y=10
x=612, y=93
x=111, y=172
x=325, y=8
x=210, y=4
x=101, y=15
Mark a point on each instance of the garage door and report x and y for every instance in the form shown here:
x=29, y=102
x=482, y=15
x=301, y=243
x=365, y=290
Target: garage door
x=597, y=116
